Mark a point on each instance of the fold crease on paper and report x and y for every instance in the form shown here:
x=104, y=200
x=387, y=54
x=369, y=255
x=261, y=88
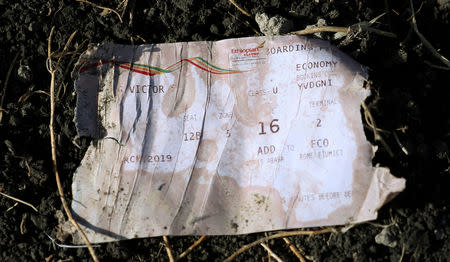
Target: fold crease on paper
x=221, y=138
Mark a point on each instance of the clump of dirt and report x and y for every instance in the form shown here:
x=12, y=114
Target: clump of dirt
x=409, y=101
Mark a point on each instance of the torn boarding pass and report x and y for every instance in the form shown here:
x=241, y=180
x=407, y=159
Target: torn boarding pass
x=220, y=138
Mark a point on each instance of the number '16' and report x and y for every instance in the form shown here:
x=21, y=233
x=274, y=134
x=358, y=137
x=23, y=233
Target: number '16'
x=274, y=127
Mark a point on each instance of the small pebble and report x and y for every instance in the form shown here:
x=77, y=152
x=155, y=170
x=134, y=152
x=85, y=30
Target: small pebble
x=24, y=73
x=385, y=238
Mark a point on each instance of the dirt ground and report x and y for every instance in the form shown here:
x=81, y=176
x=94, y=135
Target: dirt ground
x=410, y=99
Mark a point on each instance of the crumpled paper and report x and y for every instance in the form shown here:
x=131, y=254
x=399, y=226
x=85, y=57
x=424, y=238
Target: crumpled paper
x=220, y=138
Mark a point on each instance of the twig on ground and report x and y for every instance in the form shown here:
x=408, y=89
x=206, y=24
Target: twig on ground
x=123, y=5
x=28, y=166
x=428, y=63
x=29, y=93
x=425, y=41
x=18, y=200
x=52, y=70
x=278, y=235
x=377, y=137
x=72, y=58
x=402, y=129
x=5, y=85
x=371, y=125
x=269, y=257
x=168, y=249
x=321, y=29
x=367, y=28
x=381, y=225
x=102, y=7
x=130, y=22
x=418, y=11
x=11, y=207
x=67, y=246
x=138, y=37
x=294, y=250
x=399, y=143
x=41, y=92
x=49, y=258
x=141, y=38
x=13, y=153
x=346, y=228
x=23, y=230
x=161, y=245
x=336, y=29
x=369, y=120
x=378, y=129
x=187, y=251
x=272, y=254
x=363, y=26
x=403, y=253
x=240, y=9
x=395, y=12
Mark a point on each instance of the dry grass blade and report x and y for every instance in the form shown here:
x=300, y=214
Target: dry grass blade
x=5, y=85
x=272, y=254
x=18, y=200
x=294, y=250
x=168, y=249
x=239, y=8
x=403, y=253
x=52, y=70
x=22, y=227
x=364, y=26
x=320, y=29
x=49, y=258
x=278, y=235
x=187, y=251
x=72, y=59
x=369, y=119
x=425, y=41
x=63, y=51
x=102, y=7
x=66, y=246
x=399, y=143
x=371, y=122
x=376, y=31
x=436, y=66
x=416, y=13
x=123, y=5
x=11, y=207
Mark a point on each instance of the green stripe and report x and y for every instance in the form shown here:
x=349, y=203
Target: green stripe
x=170, y=71
x=213, y=66
x=152, y=68
x=262, y=44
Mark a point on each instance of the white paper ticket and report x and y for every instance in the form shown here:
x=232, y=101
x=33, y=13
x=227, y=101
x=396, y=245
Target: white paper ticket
x=228, y=137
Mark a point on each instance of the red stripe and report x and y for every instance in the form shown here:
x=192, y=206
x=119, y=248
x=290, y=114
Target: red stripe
x=84, y=68
x=174, y=64
x=137, y=71
x=87, y=67
x=207, y=69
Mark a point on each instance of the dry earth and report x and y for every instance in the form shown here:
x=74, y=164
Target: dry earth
x=411, y=99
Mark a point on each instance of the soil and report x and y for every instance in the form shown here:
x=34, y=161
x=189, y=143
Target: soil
x=410, y=97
